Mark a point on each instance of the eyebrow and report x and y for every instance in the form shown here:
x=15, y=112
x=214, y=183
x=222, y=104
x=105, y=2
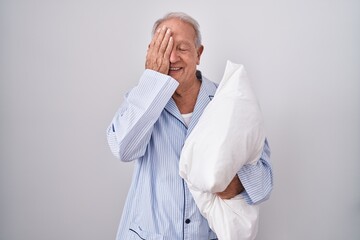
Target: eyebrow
x=184, y=43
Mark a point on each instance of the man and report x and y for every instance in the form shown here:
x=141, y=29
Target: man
x=150, y=128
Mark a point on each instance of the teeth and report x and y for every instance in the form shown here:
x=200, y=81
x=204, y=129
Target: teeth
x=174, y=69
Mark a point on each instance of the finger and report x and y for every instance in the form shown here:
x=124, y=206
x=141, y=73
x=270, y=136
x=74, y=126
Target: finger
x=151, y=48
x=169, y=48
x=152, y=51
x=159, y=38
x=155, y=36
x=223, y=195
x=165, y=41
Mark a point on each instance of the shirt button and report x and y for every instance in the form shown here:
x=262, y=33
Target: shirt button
x=187, y=221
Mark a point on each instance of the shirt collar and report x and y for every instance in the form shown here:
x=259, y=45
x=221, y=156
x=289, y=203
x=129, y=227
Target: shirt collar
x=206, y=93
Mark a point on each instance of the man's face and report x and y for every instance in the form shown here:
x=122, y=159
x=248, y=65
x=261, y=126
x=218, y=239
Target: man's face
x=184, y=56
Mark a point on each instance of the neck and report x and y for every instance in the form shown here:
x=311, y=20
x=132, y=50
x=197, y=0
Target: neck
x=185, y=97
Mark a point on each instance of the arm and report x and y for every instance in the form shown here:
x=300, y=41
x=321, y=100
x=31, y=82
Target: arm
x=257, y=179
x=254, y=182
x=131, y=127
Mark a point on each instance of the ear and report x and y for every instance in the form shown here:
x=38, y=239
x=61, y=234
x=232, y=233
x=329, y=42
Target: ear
x=199, y=51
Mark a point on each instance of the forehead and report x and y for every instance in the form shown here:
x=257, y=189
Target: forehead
x=181, y=30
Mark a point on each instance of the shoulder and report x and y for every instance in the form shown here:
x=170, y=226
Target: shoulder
x=209, y=86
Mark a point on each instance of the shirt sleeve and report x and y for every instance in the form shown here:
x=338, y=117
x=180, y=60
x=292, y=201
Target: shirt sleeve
x=257, y=179
x=130, y=130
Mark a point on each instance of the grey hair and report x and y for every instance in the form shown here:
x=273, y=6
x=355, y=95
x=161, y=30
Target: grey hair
x=185, y=18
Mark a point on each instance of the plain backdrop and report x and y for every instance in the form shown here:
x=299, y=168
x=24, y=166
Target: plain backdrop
x=65, y=65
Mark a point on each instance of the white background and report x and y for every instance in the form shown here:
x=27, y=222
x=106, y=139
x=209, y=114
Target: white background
x=65, y=65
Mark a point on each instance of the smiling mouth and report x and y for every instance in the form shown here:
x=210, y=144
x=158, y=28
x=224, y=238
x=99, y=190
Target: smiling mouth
x=174, y=69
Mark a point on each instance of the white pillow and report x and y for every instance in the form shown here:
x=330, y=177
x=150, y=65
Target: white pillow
x=229, y=134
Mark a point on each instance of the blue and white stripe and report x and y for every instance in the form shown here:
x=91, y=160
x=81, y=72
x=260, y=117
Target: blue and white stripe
x=149, y=129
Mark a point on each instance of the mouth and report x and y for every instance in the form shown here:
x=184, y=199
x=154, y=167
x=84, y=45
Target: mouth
x=174, y=69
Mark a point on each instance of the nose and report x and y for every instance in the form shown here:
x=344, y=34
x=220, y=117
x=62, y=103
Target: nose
x=174, y=56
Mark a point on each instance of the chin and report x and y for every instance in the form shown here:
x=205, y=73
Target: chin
x=174, y=75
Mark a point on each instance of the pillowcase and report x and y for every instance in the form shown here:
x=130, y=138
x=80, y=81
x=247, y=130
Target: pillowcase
x=229, y=134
